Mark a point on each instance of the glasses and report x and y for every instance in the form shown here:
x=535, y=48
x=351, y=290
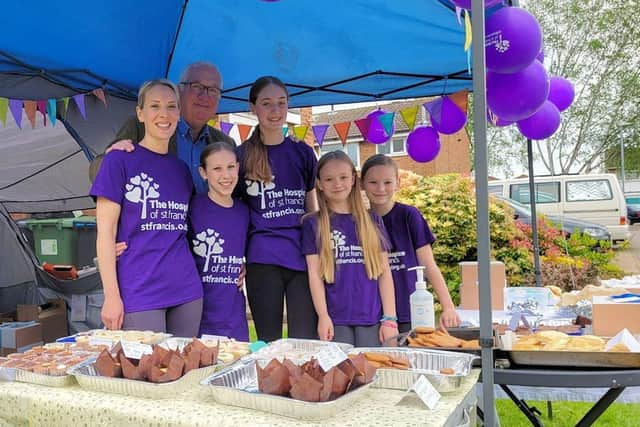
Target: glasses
x=199, y=88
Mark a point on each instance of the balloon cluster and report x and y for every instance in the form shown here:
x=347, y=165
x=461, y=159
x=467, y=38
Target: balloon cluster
x=519, y=89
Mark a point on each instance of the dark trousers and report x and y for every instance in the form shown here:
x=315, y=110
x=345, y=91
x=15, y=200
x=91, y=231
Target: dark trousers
x=267, y=286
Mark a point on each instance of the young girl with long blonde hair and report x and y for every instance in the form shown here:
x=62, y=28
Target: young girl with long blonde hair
x=345, y=249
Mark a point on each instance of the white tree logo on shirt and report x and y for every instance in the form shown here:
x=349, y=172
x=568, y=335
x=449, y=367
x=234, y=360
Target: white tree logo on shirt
x=206, y=244
x=337, y=239
x=140, y=189
x=258, y=187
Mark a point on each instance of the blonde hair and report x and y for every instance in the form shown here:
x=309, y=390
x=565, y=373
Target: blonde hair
x=367, y=231
x=148, y=85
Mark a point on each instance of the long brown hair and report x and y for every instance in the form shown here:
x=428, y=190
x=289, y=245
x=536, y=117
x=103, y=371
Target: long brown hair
x=256, y=159
x=377, y=160
x=368, y=233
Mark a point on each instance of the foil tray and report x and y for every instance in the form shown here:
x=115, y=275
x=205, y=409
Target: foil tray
x=238, y=386
x=88, y=377
x=46, y=380
x=585, y=359
x=7, y=374
x=293, y=346
x=425, y=362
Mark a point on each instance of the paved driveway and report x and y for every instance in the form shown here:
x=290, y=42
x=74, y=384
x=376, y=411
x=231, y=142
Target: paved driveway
x=629, y=259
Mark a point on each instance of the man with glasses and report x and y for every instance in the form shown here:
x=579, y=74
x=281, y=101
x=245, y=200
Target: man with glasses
x=200, y=89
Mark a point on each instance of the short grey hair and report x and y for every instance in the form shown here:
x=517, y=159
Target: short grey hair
x=200, y=64
x=146, y=87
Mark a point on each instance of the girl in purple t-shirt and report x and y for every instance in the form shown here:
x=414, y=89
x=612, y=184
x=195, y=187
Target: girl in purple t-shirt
x=410, y=239
x=218, y=227
x=142, y=199
x=276, y=181
x=349, y=271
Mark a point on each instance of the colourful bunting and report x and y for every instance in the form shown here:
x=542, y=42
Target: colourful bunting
x=300, y=132
x=343, y=130
x=461, y=99
x=212, y=123
x=51, y=110
x=434, y=108
x=409, y=116
x=363, y=126
x=285, y=131
x=65, y=101
x=42, y=107
x=319, y=131
x=244, y=130
x=99, y=93
x=30, y=108
x=4, y=106
x=15, y=105
x=79, y=99
x=387, y=122
x=226, y=127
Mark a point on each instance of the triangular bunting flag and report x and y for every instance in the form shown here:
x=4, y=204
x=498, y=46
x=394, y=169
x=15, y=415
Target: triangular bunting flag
x=79, y=98
x=244, y=130
x=15, y=105
x=212, y=123
x=409, y=116
x=387, y=122
x=363, y=126
x=434, y=108
x=30, y=108
x=343, y=131
x=468, y=37
x=4, y=106
x=99, y=93
x=285, y=131
x=226, y=127
x=319, y=131
x=300, y=132
x=51, y=110
x=42, y=107
x=65, y=101
x=461, y=99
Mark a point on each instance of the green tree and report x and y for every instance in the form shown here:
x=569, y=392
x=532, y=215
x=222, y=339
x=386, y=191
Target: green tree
x=594, y=44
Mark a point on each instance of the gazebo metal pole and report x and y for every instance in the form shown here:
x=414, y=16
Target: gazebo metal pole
x=534, y=216
x=482, y=207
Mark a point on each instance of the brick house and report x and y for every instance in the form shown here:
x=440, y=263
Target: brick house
x=454, y=154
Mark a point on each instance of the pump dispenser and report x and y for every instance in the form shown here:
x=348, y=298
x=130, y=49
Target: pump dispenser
x=421, y=301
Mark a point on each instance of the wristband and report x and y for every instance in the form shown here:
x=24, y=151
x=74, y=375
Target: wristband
x=390, y=324
x=392, y=318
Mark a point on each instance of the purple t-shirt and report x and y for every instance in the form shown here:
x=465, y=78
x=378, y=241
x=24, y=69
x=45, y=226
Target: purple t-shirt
x=353, y=299
x=408, y=231
x=153, y=191
x=276, y=208
x=218, y=240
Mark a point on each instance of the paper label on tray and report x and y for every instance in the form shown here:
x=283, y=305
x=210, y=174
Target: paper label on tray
x=220, y=338
x=135, y=350
x=100, y=341
x=426, y=392
x=330, y=356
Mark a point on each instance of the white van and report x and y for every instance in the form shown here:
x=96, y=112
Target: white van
x=593, y=198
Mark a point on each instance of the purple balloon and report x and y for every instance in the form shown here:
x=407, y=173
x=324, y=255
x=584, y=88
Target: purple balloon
x=497, y=121
x=540, y=57
x=544, y=123
x=561, y=92
x=449, y=118
x=376, y=133
x=517, y=96
x=513, y=39
x=466, y=4
x=423, y=144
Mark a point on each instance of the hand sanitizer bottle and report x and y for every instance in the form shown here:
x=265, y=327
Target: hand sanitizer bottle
x=421, y=301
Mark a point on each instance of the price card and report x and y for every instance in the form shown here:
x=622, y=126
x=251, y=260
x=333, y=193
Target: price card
x=220, y=338
x=330, y=356
x=100, y=341
x=135, y=350
x=426, y=392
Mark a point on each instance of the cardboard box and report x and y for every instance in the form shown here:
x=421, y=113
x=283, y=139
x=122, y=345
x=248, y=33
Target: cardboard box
x=611, y=317
x=16, y=337
x=52, y=316
x=469, y=289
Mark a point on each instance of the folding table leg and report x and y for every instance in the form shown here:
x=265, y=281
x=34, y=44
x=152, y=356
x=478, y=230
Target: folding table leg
x=529, y=411
x=549, y=410
x=600, y=406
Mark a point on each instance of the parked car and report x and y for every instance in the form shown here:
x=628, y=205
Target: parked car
x=633, y=207
x=568, y=225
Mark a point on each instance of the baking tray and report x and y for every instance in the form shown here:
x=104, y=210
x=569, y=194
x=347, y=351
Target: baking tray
x=425, y=362
x=46, y=380
x=582, y=359
x=294, y=345
x=88, y=377
x=238, y=386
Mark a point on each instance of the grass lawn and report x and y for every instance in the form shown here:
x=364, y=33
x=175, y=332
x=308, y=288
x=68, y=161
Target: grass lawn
x=567, y=414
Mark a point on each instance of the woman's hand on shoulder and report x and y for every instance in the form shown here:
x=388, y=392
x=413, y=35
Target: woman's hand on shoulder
x=112, y=313
x=325, y=328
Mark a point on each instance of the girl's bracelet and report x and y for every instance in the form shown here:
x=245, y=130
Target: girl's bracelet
x=390, y=324
x=391, y=318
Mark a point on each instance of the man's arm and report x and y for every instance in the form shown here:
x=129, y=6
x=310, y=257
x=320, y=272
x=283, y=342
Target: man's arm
x=132, y=130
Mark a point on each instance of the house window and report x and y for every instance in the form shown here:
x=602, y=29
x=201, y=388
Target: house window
x=351, y=148
x=396, y=146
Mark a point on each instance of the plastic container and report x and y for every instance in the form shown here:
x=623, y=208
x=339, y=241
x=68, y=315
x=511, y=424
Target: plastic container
x=85, y=229
x=55, y=240
x=421, y=302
